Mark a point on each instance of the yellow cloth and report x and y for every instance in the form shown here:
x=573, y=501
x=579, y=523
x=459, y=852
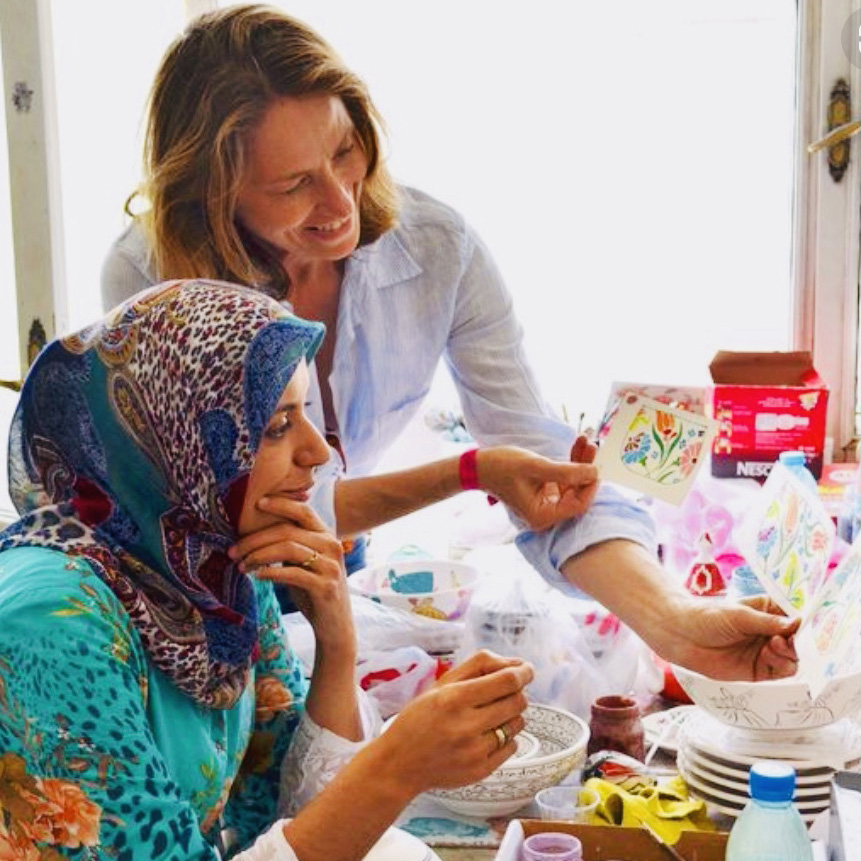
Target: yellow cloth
x=665, y=807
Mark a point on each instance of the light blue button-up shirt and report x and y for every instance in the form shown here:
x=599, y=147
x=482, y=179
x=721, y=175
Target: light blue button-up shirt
x=427, y=291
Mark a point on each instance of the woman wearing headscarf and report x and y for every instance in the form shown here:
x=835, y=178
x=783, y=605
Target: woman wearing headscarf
x=161, y=461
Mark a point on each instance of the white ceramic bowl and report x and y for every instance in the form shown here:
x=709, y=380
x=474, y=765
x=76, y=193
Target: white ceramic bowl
x=438, y=588
x=779, y=704
x=562, y=739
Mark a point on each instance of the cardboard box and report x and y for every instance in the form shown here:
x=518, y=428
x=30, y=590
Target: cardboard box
x=604, y=842
x=836, y=478
x=765, y=403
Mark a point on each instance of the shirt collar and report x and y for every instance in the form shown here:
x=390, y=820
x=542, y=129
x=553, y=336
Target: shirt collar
x=386, y=261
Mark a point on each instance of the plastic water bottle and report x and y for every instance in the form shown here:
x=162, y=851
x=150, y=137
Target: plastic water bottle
x=796, y=462
x=770, y=828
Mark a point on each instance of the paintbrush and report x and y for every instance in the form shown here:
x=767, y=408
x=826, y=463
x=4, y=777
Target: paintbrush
x=670, y=850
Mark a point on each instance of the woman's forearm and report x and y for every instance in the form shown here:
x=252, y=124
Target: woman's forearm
x=332, y=701
x=539, y=491
x=723, y=639
x=364, y=503
x=349, y=815
x=626, y=579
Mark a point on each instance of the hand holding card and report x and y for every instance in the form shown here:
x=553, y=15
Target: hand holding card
x=787, y=539
x=652, y=447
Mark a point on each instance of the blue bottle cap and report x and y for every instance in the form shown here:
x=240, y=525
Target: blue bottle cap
x=793, y=458
x=772, y=781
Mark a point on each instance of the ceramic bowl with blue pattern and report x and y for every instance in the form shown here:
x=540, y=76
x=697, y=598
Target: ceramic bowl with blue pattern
x=437, y=588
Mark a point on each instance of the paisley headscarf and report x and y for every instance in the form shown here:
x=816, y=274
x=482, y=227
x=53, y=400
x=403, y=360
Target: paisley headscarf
x=131, y=446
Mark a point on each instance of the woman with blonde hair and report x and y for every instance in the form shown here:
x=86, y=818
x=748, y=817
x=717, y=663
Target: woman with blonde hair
x=264, y=166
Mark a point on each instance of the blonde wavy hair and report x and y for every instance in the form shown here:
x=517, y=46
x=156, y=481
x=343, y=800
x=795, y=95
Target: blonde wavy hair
x=213, y=87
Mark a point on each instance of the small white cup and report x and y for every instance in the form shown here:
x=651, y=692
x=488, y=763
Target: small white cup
x=568, y=802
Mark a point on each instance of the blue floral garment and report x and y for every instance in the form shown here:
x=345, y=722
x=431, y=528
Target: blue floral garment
x=134, y=654
x=101, y=756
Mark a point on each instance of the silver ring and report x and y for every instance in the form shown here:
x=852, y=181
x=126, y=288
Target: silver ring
x=501, y=734
x=309, y=562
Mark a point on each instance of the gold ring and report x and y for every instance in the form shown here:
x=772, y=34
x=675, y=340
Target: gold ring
x=309, y=562
x=501, y=736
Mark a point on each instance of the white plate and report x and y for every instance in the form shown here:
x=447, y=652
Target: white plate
x=740, y=787
x=741, y=772
x=738, y=799
x=733, y=809
x=804, y=768
x=812, y=752
x=663, y=727
x=399, y=845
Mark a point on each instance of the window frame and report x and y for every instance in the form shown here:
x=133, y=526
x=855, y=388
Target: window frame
x=34, y=175
x=826, y=224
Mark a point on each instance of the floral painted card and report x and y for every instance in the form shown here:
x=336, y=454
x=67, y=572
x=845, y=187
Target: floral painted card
x=833, y=622
x=651, y=447
x=787, y=538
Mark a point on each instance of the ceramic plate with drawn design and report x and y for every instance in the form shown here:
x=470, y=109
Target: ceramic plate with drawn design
x=663, y=727
x=399, y=845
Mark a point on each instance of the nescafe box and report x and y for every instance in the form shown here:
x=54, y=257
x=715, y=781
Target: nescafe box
x=765, y=403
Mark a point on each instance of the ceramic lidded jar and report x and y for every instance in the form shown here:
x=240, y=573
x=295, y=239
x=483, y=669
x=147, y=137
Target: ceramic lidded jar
x=616, y=725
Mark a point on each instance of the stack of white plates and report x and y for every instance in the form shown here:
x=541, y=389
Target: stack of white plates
x=715, y=760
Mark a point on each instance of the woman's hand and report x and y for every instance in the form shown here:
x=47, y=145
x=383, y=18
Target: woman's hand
x=751, y=639
x=540, y=491
x=299, y=551
x=448, y=736
x=445, y=737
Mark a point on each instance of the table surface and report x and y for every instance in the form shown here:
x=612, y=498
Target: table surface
x=464, y=853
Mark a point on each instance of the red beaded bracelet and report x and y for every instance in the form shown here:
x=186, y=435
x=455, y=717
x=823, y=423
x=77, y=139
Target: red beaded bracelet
x=469, y=470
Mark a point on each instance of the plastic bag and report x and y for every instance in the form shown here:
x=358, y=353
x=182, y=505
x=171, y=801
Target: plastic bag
x=514, y=612
x=393, y=678
x=380, y=628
